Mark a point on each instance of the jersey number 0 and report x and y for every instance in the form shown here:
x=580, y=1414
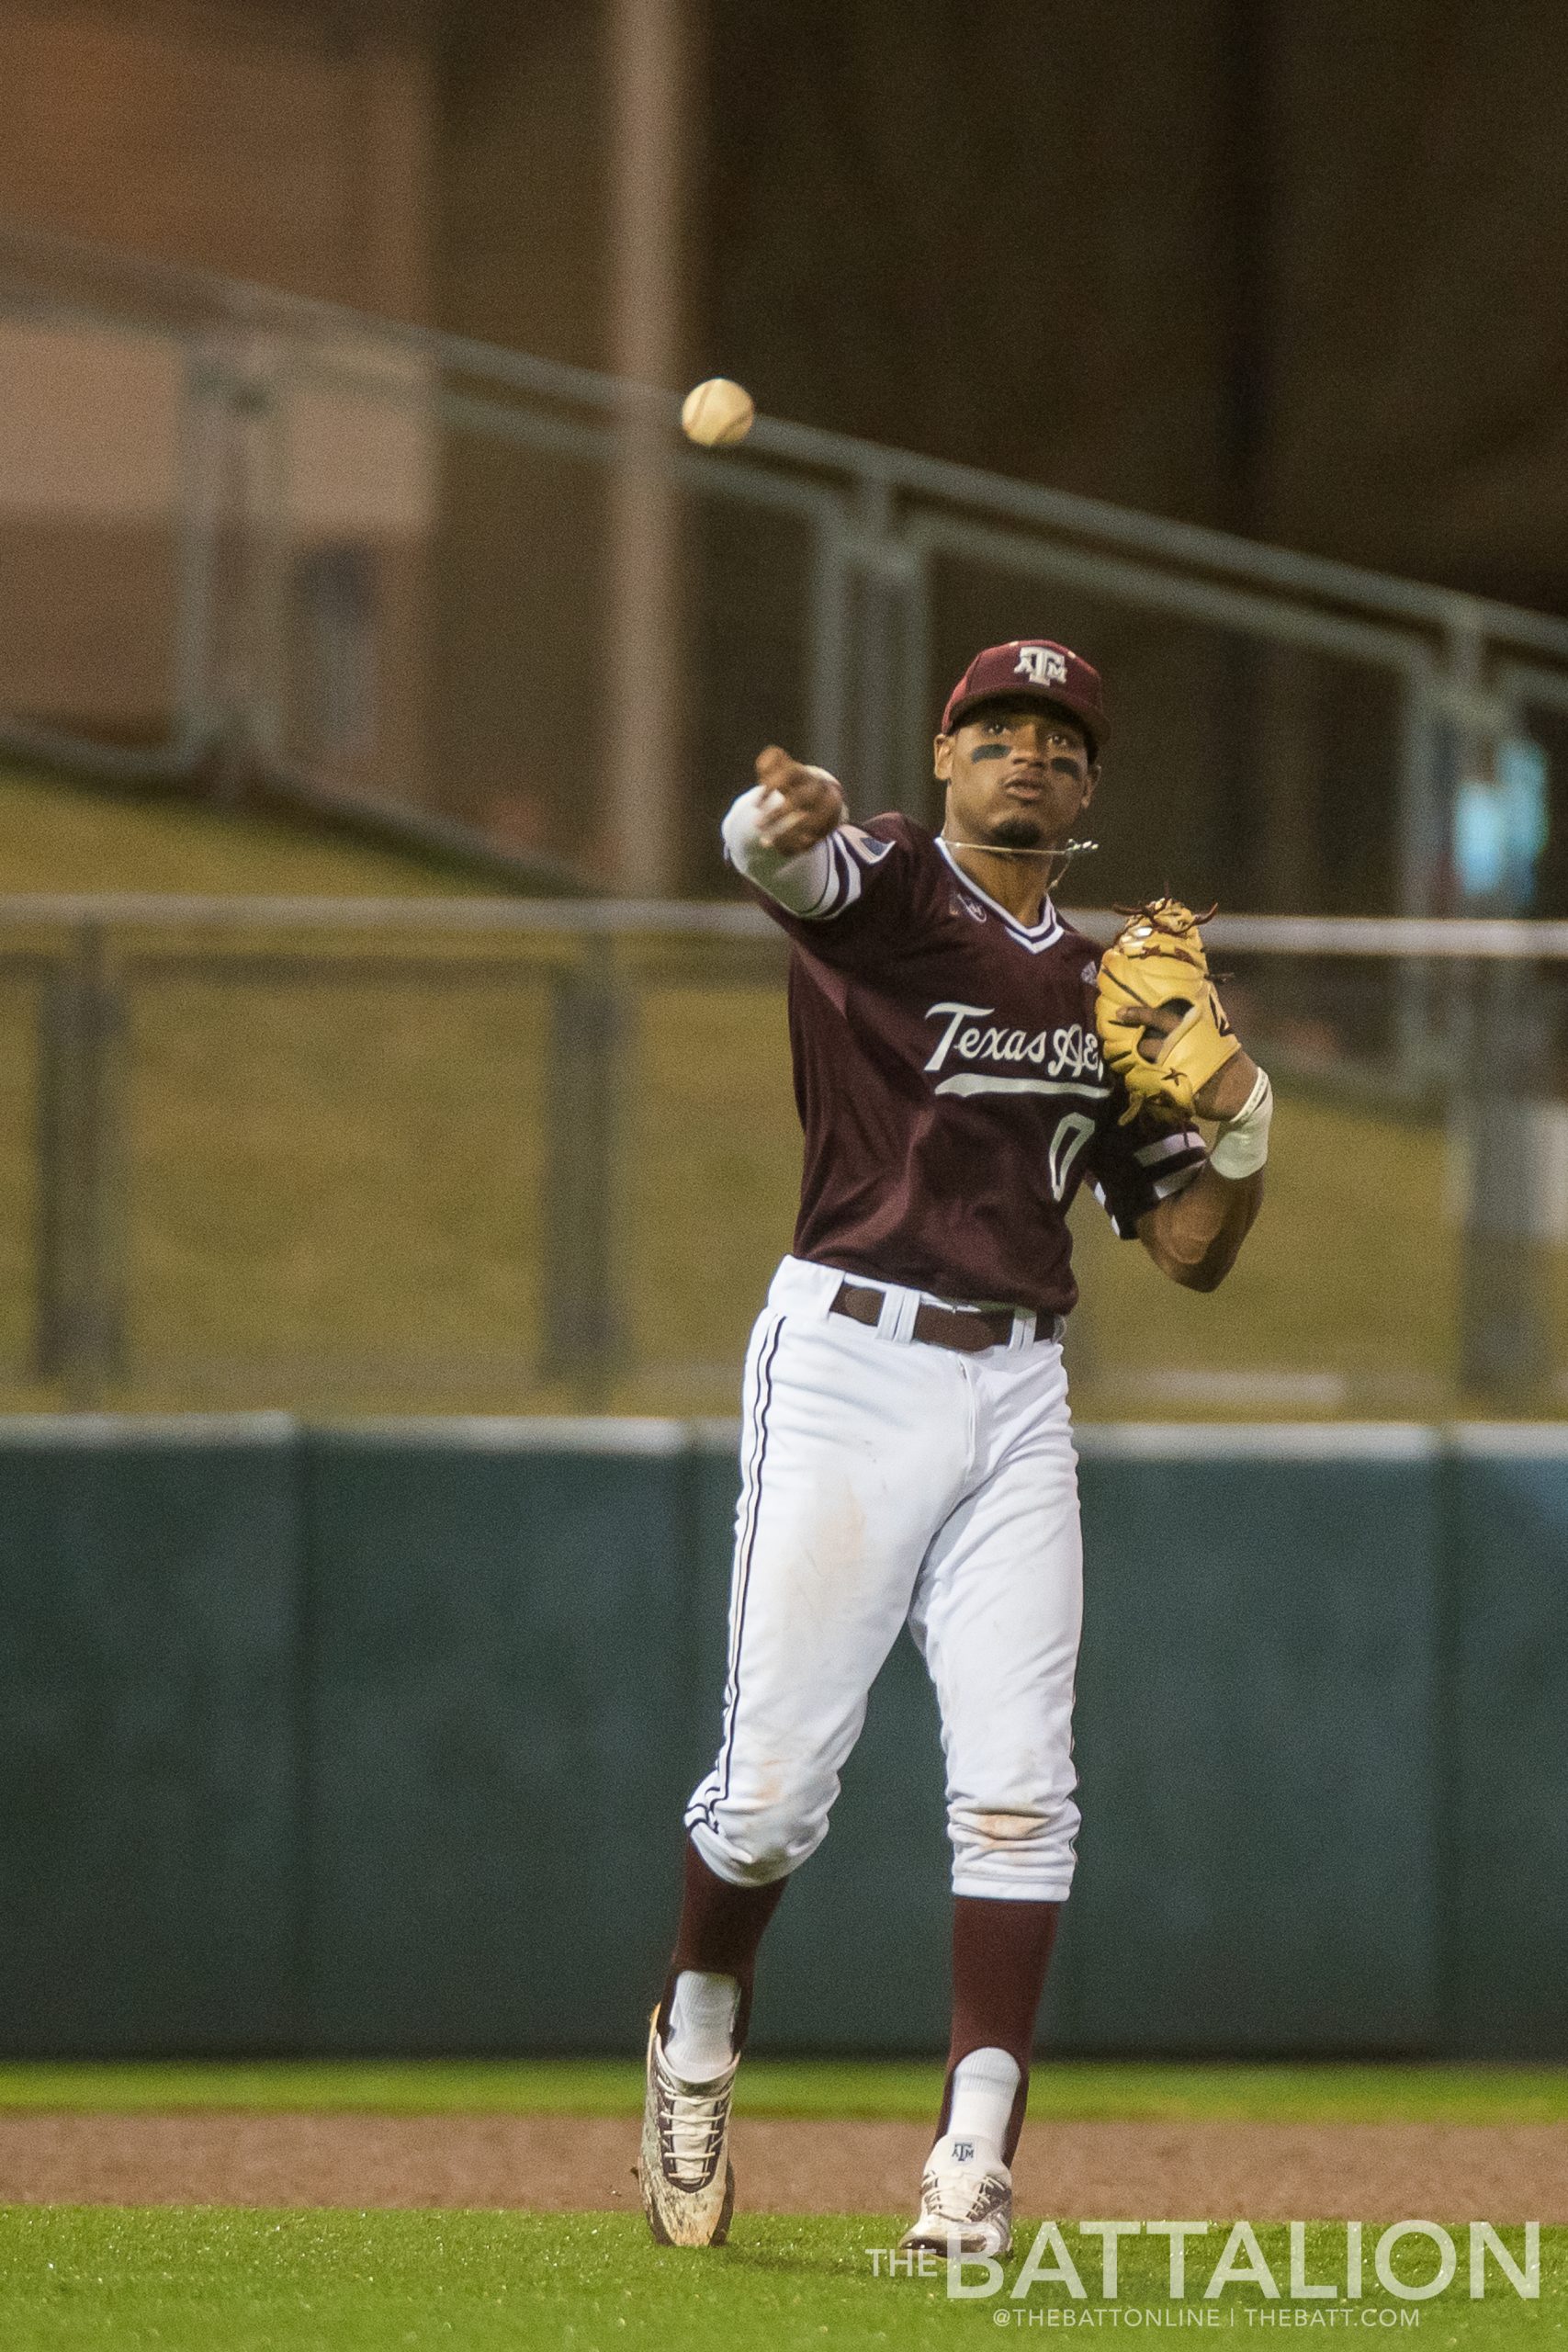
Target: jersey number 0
x=1072, y=1134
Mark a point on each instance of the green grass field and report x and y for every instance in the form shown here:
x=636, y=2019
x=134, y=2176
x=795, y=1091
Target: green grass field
x=194, y=2280
x=75, y=2280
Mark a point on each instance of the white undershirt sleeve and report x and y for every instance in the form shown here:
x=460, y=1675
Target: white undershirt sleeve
x=807, y=883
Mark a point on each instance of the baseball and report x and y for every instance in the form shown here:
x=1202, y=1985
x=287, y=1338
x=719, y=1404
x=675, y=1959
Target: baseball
x=717, y=412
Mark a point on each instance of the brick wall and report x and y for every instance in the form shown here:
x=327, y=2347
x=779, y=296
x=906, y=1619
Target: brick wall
x=290, y=145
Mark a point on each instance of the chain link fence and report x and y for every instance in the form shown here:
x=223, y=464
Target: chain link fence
x=502, y=1155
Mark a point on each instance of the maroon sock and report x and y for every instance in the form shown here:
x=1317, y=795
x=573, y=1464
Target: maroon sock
x=721, y=1927
x=1001, y=1952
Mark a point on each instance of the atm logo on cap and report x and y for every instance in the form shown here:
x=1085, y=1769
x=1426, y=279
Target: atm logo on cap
x=1042, y=664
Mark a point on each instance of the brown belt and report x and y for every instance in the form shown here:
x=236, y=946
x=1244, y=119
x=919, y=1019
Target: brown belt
x=966, y=1330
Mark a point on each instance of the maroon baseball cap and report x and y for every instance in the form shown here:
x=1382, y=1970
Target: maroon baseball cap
x=1036, y=668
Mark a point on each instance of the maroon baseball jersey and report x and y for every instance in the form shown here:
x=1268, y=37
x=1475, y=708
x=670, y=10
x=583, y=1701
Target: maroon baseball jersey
x=949, y=1081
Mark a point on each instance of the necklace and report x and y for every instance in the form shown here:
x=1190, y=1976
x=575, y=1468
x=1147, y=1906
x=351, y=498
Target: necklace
x=999, y=849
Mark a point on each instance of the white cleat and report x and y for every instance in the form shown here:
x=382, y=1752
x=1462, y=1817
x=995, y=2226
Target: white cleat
x=685, y=2172
x=963, y=2210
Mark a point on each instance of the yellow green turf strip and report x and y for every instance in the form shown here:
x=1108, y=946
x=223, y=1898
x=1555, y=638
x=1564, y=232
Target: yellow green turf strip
x=62, y=836
x=185, y=2279
x=1296, y=2094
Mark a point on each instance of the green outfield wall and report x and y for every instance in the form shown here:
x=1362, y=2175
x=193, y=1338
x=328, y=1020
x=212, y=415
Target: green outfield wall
x=376, y=1739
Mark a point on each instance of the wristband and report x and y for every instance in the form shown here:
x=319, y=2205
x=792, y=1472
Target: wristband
x=799, y=880
x=1242, y=1145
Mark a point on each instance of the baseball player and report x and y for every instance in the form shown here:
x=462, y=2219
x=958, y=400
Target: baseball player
x=964, y=1061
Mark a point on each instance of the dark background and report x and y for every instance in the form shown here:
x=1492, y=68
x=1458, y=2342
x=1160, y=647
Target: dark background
x=1290, y=268
x=1294, y=267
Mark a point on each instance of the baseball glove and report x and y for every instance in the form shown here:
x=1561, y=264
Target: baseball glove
x=1156, y=960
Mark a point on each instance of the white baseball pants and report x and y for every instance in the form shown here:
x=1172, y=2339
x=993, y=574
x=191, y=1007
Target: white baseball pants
x=886, y=1480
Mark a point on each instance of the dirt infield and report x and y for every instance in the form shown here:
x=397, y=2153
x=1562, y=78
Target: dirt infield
x=556, y=2163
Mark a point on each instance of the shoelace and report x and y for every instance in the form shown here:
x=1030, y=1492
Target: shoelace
x=942, y=2193
x=691, y=2133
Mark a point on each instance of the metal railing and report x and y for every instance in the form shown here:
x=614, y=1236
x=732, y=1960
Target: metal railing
x=302, y=436
x=502, y=1155
x=84, y=974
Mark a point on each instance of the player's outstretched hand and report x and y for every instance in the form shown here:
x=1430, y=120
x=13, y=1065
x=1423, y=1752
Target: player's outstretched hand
x=802, y=805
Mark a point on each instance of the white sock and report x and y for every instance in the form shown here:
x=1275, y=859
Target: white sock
x=984, y=2086
x=698, y=2033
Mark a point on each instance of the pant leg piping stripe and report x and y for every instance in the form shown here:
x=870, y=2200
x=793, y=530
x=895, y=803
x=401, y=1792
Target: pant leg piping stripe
x=743, y=1568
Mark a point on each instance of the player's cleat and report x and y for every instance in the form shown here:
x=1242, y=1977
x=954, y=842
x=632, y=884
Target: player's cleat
x=685, y=2172
x=963, y=2210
